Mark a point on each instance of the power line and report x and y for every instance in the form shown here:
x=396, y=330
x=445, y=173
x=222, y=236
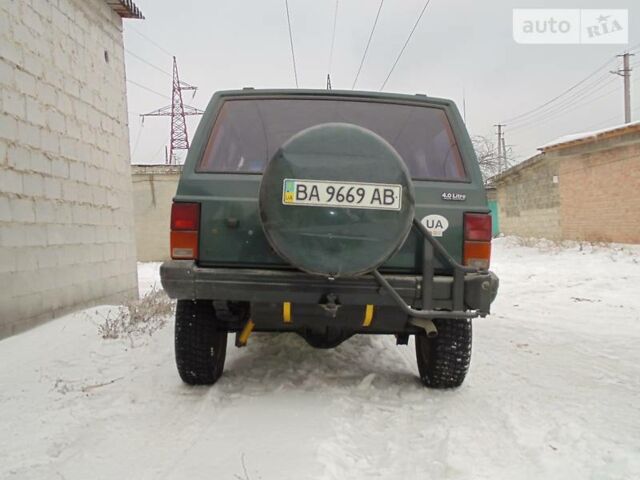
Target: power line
x=148, y=89
x=159, y=47
x=605, y=122
x=560, y=113
x=293, y=55
x=406, y=43
x=583, y=92
x=366, y=49
x=582, y=83
x=525, y=127
x=147, y=62
x=570, y=89
x=553, y=111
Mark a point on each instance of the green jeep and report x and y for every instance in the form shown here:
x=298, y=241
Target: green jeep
x=327, y=214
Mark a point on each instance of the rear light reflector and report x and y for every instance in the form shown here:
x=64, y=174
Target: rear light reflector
x=477, y=240
x=477, y=227
x=477, y=254
x=185, y=224
x=184, y=245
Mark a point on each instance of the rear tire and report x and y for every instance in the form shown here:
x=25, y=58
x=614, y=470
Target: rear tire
x=200, y=342
x=443, y=361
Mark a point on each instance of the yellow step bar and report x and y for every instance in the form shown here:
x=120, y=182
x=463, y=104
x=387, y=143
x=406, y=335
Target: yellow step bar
x=368, y=316
x=286, y=312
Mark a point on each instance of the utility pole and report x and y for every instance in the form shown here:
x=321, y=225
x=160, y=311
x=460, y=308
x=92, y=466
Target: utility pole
x=501, y=151
x=179, y=139
x=328, y=81
x=625, y=73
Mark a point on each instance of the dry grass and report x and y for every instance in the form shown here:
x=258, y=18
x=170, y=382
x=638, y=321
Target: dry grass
x=593, y=245
x=138, y=317
x=554, y=243
x=545, y=244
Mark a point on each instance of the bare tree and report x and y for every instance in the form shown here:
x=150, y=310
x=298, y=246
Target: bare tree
x=488, y=158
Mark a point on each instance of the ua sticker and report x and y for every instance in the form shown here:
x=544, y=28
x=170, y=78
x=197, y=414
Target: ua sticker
x=436, y=224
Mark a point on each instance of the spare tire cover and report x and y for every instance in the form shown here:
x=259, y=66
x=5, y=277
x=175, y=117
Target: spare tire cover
x=325, y=236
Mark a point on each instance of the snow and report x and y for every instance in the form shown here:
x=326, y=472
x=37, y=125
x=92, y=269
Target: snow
x=552, y=393
x=583, y=135
x=148, y=276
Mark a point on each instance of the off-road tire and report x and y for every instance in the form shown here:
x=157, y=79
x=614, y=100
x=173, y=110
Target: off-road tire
x=443, y=361
x=200, y=342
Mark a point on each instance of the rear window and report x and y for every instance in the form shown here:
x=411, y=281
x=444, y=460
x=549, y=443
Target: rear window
x=248, y=132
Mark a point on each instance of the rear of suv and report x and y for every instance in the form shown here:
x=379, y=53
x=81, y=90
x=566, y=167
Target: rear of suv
x=329, y=214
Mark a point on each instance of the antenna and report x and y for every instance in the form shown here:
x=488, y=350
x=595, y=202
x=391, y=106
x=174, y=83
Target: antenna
x=464, y=106
x=179, y=139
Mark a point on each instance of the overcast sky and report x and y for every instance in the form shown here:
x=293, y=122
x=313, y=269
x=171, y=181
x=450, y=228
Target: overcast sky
x=459, y=46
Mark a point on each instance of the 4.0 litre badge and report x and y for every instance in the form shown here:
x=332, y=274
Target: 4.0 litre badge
x=455, y=197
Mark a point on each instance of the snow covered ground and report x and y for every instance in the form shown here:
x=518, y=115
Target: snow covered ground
x=553, y=393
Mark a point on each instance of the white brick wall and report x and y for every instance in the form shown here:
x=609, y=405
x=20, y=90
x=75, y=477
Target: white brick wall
x=66, y=214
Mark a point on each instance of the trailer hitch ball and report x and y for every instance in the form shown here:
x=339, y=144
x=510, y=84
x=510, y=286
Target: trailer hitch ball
x=331, y=304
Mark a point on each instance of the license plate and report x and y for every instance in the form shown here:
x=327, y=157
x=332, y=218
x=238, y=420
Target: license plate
x=321, y=193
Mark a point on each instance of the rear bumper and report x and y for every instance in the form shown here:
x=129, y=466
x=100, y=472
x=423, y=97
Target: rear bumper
x=183, y=279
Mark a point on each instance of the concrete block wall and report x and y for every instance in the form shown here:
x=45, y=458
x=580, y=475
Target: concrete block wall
x=154, y=187
x=529, y=201
x=600, y=193
x=66, y=214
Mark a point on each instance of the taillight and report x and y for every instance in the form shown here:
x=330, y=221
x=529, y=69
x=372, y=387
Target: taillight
x=477, y=240
x=185, y=223
x=185, y=216
x=477, y=227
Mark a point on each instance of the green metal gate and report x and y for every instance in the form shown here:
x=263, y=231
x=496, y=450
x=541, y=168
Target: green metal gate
x=493, y=205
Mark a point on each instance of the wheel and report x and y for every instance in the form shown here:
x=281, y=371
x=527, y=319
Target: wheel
x=200, y=342
x=332, y=242
x=443, y=361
